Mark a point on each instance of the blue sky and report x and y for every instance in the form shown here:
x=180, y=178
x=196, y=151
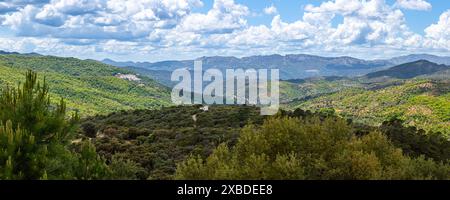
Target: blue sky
x=292, y=10
x=154, y=30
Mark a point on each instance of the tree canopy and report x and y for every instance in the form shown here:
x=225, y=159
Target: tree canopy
x=310, y=148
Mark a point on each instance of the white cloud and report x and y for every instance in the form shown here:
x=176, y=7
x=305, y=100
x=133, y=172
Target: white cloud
x=98, y=19
x=438, y=34
x=270, y=10
x=365, y=23
x=225, y=17
x=295, y=32
x=255, y=36
x=166, y=28
x=414, y=4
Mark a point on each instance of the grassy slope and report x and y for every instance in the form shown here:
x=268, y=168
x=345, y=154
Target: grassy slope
x=87, y=86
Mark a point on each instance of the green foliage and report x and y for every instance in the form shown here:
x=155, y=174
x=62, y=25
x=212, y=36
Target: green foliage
x=33, y=141
x=38, y=140
x=294, y=91
x=417, y=143
x=89, y=129
x=421, y=103
x=158, y=139
x=90, y=165
x=20, y=157
x=124, y=169
x=30, y=107
x=309, y=148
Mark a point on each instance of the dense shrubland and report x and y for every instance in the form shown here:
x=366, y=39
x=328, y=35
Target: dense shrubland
x=157, y=140
x=310, y=148
x=319, y=142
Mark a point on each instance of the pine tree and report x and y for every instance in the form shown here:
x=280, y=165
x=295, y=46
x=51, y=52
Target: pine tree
x=19, y=154
x=34, y=136
x=30, y=107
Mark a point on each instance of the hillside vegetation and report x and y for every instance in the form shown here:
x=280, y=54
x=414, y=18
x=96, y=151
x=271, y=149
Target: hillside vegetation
x=299, y=90
x=422, y=103
x=158, y=140
x=88, y=86
x=357, y=129
x=417, y=93
x=309, y=148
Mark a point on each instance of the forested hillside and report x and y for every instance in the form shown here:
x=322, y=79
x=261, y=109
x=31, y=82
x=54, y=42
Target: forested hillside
x=88, y=86
x=417, y=93
x=299, y=90
x=423, y=103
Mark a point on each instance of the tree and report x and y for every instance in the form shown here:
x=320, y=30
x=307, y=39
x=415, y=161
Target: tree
x=416, y=143
x=20, y=157
x=89, y=164
x=34, y=137
x=89, y=129
x=309, y=148
x=29, y=106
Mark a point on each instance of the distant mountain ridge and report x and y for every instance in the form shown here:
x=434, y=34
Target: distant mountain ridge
x=17, y=53
x=416, y=57
x=292, y=66
x=410, y=70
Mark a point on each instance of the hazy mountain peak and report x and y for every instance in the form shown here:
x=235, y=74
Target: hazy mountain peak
x=410, y=70
x=17, y=53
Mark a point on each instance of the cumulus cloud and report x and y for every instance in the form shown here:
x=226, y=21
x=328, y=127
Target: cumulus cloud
x=225, y=17
x=166, y=28
x=271, y=10
x=366, y=23
x=414, y=4
x=98, y=19
x=438, y=34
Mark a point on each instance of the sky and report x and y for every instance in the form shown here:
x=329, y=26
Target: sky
x=155, y=30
